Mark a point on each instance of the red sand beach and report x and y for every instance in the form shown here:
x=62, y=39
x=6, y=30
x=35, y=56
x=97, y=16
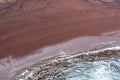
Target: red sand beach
x=28, y=27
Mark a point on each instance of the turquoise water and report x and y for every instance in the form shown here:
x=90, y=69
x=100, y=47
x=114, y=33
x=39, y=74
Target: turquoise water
x=98, y=70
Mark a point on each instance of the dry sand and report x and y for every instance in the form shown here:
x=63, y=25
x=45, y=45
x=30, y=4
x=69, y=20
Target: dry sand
x=29, y=25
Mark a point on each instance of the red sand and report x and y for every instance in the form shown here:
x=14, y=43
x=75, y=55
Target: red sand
x=27, y=26
x=30, y=25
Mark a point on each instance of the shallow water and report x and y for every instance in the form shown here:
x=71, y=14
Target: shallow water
x=102, y=64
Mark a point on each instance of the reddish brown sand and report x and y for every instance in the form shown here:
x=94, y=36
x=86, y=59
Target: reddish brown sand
x=29, y=25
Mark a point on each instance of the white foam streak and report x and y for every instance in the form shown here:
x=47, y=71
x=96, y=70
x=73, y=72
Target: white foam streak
x=116, y=48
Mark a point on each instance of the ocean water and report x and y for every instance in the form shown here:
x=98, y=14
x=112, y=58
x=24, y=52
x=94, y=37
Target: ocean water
x=100, y=64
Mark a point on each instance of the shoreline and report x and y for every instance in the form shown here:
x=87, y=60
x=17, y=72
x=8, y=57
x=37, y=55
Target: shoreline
x=35, y=32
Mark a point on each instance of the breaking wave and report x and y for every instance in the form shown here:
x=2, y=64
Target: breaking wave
x=102, y=64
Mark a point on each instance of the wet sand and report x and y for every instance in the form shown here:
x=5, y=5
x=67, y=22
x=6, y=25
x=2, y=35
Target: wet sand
x=11, y=67
x=25, y=28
